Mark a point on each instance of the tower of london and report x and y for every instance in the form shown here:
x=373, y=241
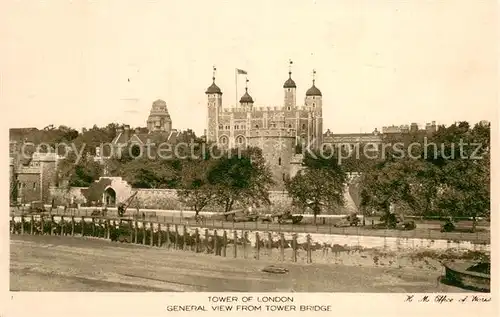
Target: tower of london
x=277, y=130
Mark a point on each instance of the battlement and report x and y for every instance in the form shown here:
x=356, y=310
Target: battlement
x=45, y=157
x=28, y=170
x=240, y=109
x=272, y=132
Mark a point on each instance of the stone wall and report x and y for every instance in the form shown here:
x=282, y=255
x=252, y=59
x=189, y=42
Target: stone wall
x=164, y=199
x=62, y=196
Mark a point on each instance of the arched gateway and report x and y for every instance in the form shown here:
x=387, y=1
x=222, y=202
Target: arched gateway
x=109, y=197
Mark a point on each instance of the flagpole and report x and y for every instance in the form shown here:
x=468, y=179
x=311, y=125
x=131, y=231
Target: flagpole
x=236, y=86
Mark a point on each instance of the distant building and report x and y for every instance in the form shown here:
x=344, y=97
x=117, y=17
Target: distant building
x=158, y=131
x=412, y=128
x=352, y=138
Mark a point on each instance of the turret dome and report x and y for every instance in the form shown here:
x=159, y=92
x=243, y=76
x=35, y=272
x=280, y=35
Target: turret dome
x=213, y=89
x=313, y=91
x=246, y=98
x=289, y=83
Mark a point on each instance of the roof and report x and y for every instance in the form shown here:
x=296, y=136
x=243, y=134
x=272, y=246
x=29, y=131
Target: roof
x=313, y=91
x=213, y=89
x=246, y=98
x=157, y=137
x=159, y=102
x=289, y=83
x=120, y=139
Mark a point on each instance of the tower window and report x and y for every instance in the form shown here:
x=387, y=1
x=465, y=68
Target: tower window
x=303, y=126
x=288, y=108
x=290, y=126
x=221, y=127
x=34, y=185
x=314, y=104
x=284, y=176
x=279, y=161
x=236, y=127
x=289, y=89
x=228, y=127
x=256, y=126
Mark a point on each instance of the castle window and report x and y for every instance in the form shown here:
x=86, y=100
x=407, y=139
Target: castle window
x=19, y=185
x=243, y=127
x=289, y=89
x=256, y=126
x=284, y=176
x=290, y=126
x=221, y=127
x=303, y=126
x=223, y=140
x=279, y=161
x=236, y=127
x=240, y=140
x=228, y=127
x=288, y=108
x=34, y=185
x=314, y=104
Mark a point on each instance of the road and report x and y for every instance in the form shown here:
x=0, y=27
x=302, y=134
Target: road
x=50, y=263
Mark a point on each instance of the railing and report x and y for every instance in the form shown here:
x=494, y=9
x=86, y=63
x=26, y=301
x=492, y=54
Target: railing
x=478, y=237
x=163, y=235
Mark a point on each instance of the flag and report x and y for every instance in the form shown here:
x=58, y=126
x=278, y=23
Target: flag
x=241, y=71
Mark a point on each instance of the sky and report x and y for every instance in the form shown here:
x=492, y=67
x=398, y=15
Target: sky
x=377, y=62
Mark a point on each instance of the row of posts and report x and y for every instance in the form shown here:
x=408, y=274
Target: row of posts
x=218, y=250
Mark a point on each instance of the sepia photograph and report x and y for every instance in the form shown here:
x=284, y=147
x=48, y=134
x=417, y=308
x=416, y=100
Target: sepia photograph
x=271, y=147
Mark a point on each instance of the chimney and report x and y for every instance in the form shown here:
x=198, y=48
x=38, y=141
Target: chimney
x=119, y=130
x=126, y=132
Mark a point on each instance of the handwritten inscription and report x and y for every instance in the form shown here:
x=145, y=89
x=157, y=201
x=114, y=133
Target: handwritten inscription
x=443, y=299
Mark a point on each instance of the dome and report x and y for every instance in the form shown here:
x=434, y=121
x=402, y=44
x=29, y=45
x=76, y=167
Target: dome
x=159, y=102
x=246, y=98
x=213, y=89
x=289, y=83
x=313, y=91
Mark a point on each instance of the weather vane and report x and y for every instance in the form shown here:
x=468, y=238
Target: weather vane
x=314, y=76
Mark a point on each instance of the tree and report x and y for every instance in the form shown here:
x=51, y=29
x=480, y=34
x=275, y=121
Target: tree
x=196, y=191
x=450, y=177
x=392, y=182
x=149, y=173
x=13, y=190
x=320, y=184
x=464, y=160
x=241, y=177
x=78, y=173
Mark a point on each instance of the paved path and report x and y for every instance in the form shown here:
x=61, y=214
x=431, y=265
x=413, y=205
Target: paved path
x=52, y=263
